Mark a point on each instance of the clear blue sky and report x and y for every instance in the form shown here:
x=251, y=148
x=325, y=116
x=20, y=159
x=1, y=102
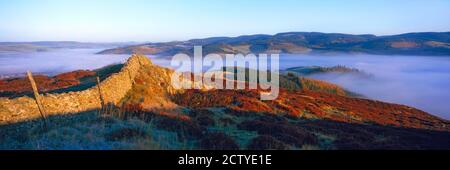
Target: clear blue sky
x=165, y=20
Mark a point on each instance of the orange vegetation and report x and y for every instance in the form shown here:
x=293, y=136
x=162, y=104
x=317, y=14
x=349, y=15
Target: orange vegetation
x=403, y=44
x=45, y=83
x=311, y=104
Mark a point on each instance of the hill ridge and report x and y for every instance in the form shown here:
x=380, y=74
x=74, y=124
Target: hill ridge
x=421, y=43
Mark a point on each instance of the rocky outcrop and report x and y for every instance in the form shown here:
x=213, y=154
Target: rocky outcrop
x=113, y=88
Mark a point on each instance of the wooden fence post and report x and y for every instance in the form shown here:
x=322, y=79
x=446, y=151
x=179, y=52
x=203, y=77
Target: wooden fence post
x=102, y=100
x=36, y=97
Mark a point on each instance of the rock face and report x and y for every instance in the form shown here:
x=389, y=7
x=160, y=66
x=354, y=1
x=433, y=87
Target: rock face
x=153, y=89
x=114, y=88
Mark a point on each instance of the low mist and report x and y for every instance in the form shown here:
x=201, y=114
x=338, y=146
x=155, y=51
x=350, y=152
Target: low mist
x=418, y=81
x=55, y=61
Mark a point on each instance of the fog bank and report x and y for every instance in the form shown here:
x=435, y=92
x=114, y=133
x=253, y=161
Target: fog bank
x=421, y=82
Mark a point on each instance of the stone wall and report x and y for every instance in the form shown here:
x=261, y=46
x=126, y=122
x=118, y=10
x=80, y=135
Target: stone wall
x=114, y=88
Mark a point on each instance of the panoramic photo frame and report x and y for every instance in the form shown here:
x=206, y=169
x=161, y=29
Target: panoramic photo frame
x=225, y=83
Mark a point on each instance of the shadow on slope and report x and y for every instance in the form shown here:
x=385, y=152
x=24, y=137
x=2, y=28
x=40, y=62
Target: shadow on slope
x=218, y=128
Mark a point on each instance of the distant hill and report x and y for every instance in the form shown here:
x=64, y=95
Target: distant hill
x=426, y=43
x=22, y=48
x=40, y=46
x=308, y=70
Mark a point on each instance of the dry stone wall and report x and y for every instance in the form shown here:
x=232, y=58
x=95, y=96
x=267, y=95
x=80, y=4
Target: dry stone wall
x=114, y=88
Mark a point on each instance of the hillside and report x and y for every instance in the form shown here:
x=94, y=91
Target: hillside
x=22, y=48
x=144, y=111
x=309, y=70
x=426, y=43
x=64, y=82
x=41, y=46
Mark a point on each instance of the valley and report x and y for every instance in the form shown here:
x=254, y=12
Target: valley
x=153, y=115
